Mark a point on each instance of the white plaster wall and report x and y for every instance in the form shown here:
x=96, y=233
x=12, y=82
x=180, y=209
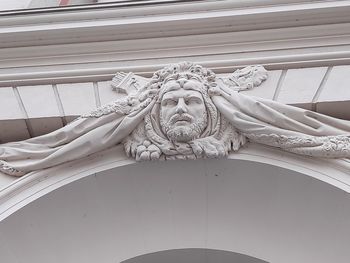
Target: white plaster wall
x=14, y=4
x=271, y=213
x=69, y=55
x=44, y=108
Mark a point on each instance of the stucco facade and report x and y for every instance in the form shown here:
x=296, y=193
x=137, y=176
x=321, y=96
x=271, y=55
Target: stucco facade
x=57, y=64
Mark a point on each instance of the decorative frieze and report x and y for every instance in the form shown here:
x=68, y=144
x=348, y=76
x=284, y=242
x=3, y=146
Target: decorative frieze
x=183, y=112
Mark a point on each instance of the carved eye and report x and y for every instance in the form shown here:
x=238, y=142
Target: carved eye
x=169, y=102
x=193, y=100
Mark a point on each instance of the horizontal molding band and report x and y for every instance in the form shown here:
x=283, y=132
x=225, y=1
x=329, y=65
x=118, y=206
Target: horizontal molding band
x=75, y=28
x=39, y=49
x=272, y=39
x=199, y=5
x=236, y=42
x=146, y=68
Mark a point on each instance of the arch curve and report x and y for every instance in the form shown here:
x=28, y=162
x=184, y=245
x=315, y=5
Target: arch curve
x=116, y=209
x=194, y=255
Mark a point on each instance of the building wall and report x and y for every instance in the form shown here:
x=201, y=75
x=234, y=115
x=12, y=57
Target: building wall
x=64, y=58
x=12, y=5
x=279, y=207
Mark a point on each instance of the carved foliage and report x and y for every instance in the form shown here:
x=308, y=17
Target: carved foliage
x=145, y=144
x=323, y=146
x=246, y=78
x=148, y=141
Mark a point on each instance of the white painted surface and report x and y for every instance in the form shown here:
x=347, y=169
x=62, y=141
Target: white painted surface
x=77, y=98
x=89, y=44
x=43, y=3
x=267, y=212
x=334, y=96
x=301, y=85
x=268, y=88
x=259, y=211
x=337, y=87
x=72, y=46
x=39, y=101
x=9, y=107
x=106, y=93
x=14, y=4
x=34, y=185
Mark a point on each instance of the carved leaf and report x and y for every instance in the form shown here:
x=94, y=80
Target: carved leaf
x=246, y=78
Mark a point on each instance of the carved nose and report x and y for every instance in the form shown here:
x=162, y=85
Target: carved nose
x=181, y=106
x=182, y=82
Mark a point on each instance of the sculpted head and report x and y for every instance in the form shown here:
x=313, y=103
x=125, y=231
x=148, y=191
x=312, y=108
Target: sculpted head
x=184, y=110
x=183, y=114
x=183, y=122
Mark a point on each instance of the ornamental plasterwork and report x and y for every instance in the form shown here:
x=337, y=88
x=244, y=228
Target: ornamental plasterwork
x=183, y=112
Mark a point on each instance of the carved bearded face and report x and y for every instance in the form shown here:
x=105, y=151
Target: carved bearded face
x=183, y=115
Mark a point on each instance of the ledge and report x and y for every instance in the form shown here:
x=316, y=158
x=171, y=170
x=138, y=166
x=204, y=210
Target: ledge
x=80, y=43
x=32, y=110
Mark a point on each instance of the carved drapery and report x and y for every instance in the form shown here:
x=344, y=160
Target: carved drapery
x=183, y=112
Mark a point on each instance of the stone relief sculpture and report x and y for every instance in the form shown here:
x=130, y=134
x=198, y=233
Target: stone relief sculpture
x=183, y=112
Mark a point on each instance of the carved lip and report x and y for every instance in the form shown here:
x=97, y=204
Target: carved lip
x=181, y=119
x=182, y=122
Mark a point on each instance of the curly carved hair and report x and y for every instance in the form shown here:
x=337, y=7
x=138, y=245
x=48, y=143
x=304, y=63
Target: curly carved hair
x=217, y=128
x=185, y=70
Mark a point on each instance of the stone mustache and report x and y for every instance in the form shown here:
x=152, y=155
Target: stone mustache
x=183, y=112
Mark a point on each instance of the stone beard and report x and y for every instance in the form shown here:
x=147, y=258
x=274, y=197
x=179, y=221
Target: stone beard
x=183, y=122
x=183, y=133
x=183, y=115
x=183, y=112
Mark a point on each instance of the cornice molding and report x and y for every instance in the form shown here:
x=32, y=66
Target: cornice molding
x=144, y=7
x=154, y=21
x=86, y=43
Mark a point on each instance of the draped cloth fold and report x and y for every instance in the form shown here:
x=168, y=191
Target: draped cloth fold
x=262, y=121
x=78, y=139
x=287, y=127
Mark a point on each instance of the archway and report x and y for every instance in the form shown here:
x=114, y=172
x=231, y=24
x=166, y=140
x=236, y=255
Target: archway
x=246, y=207
x=194, y=255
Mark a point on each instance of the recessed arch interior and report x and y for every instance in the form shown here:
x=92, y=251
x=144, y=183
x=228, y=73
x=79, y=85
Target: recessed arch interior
x=260, y=210
x=194, y=255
